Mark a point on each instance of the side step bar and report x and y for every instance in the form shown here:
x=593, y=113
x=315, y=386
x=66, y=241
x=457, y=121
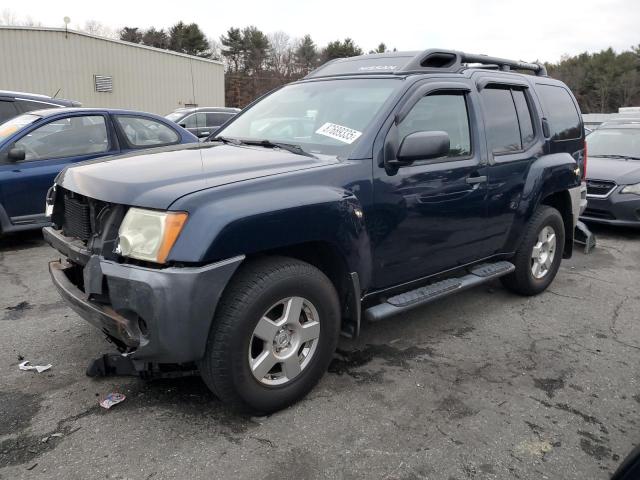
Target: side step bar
x=423, y=295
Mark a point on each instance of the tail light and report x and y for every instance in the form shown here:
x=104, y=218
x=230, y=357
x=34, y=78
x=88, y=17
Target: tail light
x=584, y=161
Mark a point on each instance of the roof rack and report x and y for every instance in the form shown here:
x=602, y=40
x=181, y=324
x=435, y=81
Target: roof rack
x=454, y=61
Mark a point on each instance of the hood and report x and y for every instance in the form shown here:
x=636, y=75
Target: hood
x=156, y=178
x=618, y=170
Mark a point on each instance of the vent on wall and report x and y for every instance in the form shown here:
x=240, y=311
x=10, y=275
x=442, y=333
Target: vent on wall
x=103, y=83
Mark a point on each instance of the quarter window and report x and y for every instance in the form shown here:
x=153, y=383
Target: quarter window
x=441, y=112
x=66, y=137
x=564, y=121
x=146, y=132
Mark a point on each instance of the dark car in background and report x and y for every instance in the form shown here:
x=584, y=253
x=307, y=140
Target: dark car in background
x=202, y=121
x=36, y=146
x=613, y=176
x=13, y=104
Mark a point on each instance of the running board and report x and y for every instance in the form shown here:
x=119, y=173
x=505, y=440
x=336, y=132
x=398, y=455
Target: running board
x=421, y=296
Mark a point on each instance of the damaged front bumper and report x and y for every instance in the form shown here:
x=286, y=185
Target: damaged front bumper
x=155, y=315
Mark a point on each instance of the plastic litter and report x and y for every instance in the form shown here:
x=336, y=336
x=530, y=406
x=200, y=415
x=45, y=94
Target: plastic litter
x=112, y=399
x=26, y=365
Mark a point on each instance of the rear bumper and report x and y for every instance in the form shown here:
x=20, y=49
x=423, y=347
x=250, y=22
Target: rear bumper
x=159, y=316
x=617, y=209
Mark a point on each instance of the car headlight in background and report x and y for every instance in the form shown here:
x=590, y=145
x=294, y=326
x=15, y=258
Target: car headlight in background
x=635, y=188
x=149, y=234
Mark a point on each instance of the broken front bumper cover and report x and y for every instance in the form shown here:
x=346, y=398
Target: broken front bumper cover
x=157, y=316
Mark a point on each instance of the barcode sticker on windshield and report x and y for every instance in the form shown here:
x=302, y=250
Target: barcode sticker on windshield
x=338, y=132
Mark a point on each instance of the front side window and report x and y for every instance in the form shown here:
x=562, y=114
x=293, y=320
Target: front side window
x=7, y=110
x=195, y=120
x=325, y=117
x=146, y=132
x=441, y=112
x=501, y=121
x=66, y=137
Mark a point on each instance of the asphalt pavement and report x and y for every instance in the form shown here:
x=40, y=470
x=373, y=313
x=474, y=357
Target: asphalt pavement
x=482, y=385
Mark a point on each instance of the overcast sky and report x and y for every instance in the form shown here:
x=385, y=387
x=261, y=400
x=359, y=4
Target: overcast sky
x=531, y=30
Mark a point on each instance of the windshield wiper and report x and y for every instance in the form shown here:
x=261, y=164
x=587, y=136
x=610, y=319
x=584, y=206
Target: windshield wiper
x=615, y=156
x=232, y=141
x=289, y=147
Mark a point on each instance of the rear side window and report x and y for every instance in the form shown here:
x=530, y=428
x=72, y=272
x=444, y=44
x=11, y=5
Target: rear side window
x=561, y=112
x=501, y=121
x=444, y=112
x=146, y=132
x=524, y=117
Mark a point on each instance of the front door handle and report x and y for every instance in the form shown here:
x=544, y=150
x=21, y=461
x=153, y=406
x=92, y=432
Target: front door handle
x=479, y=179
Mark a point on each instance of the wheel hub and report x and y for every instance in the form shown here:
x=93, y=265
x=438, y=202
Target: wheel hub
x=284, y=341
x=543, y=252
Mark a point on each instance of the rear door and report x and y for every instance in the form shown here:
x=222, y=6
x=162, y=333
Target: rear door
x=48, y=149
x=214, y=121
x=430, y=216
x=514, y=141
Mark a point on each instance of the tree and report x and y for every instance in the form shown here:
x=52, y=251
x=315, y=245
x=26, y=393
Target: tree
x=156, y=38
x=280, y=53
x=131, y=34
x=338, y=49
x=382, y=48
x=306, y=55
x=255, y=48
x=188, y=39
x=233, y=47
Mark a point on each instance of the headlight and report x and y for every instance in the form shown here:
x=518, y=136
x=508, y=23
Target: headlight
x=635, y=188
x=149, y=234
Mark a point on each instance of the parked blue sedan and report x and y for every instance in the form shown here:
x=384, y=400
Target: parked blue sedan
x=35, y=146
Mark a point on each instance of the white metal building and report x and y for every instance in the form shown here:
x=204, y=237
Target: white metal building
x=103, y=72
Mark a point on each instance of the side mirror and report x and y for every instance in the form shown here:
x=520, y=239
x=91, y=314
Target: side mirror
x=16, y=154
x=422, y=146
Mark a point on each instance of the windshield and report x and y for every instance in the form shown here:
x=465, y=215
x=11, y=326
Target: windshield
x=623, y=142
x=174, y=116
x=325, y=117
x=10, y=127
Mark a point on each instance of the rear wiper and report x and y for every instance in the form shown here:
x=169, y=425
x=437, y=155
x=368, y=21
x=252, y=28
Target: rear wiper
x=615, y=156
x=289, y=147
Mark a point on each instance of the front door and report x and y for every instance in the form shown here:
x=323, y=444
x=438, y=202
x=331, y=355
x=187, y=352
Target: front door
x=429, y=216
x=48, y=149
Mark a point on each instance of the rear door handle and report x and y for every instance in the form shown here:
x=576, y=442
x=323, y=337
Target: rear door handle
x=479, y=179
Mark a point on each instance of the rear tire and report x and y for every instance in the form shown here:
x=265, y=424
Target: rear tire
x=273, y=335
x=538, y=258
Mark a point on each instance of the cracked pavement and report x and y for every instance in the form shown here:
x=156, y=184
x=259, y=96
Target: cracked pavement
x=484, y=384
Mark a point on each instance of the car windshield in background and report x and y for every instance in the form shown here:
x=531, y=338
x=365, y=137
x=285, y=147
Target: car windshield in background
x=9, y=127
x=615, y=142
x=325, y=117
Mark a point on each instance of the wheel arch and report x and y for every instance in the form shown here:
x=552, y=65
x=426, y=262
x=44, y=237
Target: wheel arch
x=561, y=201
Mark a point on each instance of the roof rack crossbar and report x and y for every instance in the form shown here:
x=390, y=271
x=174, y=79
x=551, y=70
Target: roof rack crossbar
x=454, y=61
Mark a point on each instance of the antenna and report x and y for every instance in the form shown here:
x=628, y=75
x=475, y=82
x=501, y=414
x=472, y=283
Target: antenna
x=67, y=21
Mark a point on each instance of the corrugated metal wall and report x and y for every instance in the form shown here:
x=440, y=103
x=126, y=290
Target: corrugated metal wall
x=43, y=61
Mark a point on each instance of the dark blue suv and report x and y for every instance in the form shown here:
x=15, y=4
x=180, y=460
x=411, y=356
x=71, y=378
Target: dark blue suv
x=35, y=146
x=375, y=185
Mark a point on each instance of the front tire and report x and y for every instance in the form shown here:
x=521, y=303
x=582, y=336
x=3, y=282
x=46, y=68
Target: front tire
x=273, y=335
x=538, y=258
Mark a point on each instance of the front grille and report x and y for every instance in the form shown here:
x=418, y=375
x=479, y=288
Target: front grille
x=77, y=222
x=601, y=188
x=597, y=213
